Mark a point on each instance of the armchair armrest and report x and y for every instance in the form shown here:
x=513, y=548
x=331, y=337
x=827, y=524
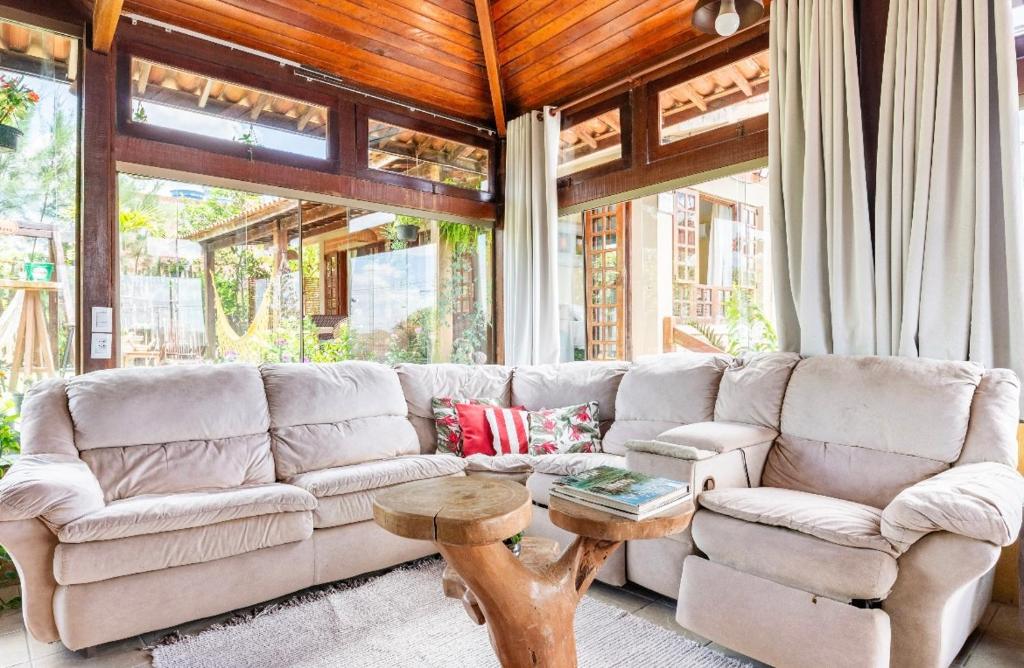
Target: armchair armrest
x=982, y=501
x=705, y=454
x=57, y=489
x=717, y=437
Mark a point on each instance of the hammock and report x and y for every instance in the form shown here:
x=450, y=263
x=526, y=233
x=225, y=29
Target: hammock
x=252, y=346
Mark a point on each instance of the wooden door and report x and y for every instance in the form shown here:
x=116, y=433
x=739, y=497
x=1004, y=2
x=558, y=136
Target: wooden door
x=336, y=283
x=604, y=232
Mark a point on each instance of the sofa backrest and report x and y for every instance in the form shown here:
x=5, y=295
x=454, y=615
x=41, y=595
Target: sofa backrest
x=865, y=428
x=325, y=415
x=753, y=387
x=557, y=385
x=421, y=383
x=171, y=429
x=663, y=392
x=995, y=416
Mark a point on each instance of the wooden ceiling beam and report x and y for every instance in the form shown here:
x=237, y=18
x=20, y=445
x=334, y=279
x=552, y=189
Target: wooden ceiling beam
x=145, y=67
x=204, y=97
x=741, y=81
x=105, y=15
x=490, y=46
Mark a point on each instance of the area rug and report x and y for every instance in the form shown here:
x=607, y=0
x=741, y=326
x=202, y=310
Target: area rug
x=402, y=618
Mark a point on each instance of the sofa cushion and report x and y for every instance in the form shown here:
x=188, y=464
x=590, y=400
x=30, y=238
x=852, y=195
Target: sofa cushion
x=327, y=415
x=421, y=383
x=78, y=563
x=753, y=387
x=151, y=514
x=864, y=428
x=794, y=558
x=832, y=520
x=662, y=392
x=173, y=429
x=569, y=384
x=345, y=494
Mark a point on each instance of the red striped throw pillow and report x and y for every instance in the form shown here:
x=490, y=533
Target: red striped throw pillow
x=510, y=430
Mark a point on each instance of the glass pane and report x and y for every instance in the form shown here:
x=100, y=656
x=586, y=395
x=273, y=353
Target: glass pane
x=426, y=156
x=593, y=142
x=38, y=210
x=395, y=288
x=722, y=97
x=207, y=274
x=174, y=98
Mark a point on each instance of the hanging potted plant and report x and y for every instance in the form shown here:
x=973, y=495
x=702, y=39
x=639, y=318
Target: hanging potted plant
x=16, y=100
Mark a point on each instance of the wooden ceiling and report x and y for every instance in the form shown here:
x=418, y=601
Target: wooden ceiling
x=430, y=51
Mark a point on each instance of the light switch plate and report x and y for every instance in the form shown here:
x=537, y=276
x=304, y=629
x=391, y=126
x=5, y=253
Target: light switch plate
x=102, y=345
x=102, y=319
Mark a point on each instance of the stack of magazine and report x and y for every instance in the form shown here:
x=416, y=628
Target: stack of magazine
x=620, y=492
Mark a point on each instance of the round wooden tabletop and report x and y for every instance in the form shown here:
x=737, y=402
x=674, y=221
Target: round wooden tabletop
x=592, y=523
x=455, y=511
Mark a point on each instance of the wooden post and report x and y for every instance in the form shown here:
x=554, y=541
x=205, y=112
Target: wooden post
x=209, y=301
x=98, y=243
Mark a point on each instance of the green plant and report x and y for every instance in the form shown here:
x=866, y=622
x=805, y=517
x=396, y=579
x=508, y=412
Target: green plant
x=249, y=137
x=16, y=100
x=140, y=115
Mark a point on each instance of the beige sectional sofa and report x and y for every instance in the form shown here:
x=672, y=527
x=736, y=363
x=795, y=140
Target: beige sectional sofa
x=147, y=498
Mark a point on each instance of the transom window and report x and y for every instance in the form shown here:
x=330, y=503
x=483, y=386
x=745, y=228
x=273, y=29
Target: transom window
x=400, y=150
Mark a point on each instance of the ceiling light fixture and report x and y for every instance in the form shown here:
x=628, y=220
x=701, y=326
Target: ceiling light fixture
x=726, y=17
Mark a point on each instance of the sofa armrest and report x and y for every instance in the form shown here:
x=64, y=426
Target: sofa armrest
x=57, y=489
x=982, y=501
x=703, y=469
x=717, y=437
x=31, y=545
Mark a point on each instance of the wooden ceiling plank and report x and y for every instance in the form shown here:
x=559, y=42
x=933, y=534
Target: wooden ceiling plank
x=589, y=36
x=278, y=17
x=350, y=23
x=407, y=10
x=565, y=29
x=258, y=106
x=105, y=15
x=356, y=66
x=535, y=15
x=483, y=12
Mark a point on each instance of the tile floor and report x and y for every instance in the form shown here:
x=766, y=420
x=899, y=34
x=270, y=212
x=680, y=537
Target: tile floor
x=998, y=642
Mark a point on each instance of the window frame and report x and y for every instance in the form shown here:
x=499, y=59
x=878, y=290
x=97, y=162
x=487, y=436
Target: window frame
x=128, y=127
x=363, y=170
x=623, y=102
x=652, y=92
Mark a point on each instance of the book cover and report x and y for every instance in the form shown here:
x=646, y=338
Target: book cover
x=620, y=488
x=557, y=493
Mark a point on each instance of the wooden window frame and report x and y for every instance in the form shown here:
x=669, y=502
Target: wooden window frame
x=623, y=102
x=126, y=126
x=363, y=169
x=653, y=89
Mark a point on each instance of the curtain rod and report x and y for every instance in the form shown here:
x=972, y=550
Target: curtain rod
x=304, y=71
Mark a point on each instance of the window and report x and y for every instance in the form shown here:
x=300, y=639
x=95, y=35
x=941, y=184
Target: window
x=178, y=99
x=400, y=150
x=38, y=209
x=572, y=326
x=727, y=95
x=216, y=275
x=605, y=242
x=591, y=143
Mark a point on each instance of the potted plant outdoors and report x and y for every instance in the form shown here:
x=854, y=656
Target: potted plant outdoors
x=16, y=100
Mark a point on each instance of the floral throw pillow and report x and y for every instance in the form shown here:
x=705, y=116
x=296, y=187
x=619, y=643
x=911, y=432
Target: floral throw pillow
x=446, y=419
x=568, y=429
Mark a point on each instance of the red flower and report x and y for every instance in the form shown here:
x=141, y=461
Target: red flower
x=575, y=433
x=32, y=95
x=453, y=437
x=549, y=424
x=583, y=415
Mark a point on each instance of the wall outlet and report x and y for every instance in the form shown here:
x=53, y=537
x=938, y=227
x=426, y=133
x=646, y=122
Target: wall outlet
x=102, y=346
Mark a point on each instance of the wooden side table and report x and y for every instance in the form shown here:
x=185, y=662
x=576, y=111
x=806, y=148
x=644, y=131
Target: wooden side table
x=529, y=609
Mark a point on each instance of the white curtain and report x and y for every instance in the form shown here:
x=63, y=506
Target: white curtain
x=949, y=253
x=721, y=233
x=530, y=260
x=821, y=233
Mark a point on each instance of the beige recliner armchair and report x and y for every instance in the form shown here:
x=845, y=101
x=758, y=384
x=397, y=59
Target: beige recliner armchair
x=867, y=532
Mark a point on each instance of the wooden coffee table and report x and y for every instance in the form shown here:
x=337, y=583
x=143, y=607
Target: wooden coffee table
x=529, y=608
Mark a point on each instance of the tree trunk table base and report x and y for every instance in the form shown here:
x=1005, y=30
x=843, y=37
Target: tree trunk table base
x=528, y=606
